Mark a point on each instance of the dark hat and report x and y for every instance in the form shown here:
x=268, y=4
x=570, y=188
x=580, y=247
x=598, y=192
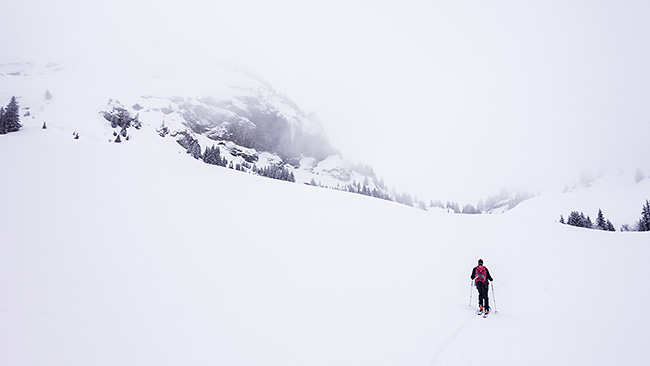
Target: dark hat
x=480, y=261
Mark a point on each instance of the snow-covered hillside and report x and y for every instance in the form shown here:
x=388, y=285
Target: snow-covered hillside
x=133, y=254
x=252, y=125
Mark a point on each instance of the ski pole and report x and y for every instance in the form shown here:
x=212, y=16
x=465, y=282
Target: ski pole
x=471, y=284
x=494, y=299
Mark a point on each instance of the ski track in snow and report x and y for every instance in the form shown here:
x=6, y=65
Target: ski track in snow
x=448, y=352
x=522, y=265
x=461, y=347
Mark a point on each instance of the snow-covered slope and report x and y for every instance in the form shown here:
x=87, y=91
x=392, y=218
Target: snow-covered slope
x=133, y=254
x=251, y=124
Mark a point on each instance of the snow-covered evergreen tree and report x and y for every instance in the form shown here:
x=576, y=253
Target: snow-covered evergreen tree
x=3, y=130
x=195, y=150
x=644, y=222
x=10, y=121
x=191, y=144
x=212, y=155
x=470, y=209
x=480, y=206
x=600, y=221
x=578, y=219
x=405, y=199
x=574, y=219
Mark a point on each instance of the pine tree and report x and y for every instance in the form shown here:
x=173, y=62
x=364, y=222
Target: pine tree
x=578, y=219
x=195, y=150
x=11, y=118
x=562, y=219
x=610, y=226
x=3, y=128
x=644, y=222
x=480, y=206
x=469, y=209
x=600, y=221
x=574, y=219
x=212, y=156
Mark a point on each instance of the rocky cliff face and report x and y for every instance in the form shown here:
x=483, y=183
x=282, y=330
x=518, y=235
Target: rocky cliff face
x=257, y=118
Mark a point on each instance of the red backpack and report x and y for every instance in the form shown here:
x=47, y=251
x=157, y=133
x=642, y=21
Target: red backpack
x=481, y=274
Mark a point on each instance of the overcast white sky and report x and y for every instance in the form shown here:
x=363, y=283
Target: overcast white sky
x=446, y=99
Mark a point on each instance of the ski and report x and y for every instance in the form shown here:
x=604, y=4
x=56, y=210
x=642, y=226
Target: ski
x=485, y=315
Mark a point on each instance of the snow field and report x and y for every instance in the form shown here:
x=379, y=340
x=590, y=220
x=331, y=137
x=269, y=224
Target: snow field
x=132, y=254
x=136, y=254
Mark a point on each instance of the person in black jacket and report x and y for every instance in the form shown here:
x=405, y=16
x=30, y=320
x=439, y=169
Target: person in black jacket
x=482, y=278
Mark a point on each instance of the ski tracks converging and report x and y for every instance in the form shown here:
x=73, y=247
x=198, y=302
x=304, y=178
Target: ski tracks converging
x=459, y=347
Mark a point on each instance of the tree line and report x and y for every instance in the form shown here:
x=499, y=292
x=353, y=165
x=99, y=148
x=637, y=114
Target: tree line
x=579, y=219
x=212, y=156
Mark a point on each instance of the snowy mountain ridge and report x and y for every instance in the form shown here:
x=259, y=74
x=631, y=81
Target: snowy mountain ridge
x=253, y=127
x=243, y=117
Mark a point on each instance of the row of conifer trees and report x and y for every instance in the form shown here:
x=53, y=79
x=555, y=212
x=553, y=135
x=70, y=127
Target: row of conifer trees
x=213, y=156
x=580, y=220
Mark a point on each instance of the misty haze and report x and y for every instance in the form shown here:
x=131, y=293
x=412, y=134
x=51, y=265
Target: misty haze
x=295, y=183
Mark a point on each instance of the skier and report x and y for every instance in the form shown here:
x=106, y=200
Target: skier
x=482, y=278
